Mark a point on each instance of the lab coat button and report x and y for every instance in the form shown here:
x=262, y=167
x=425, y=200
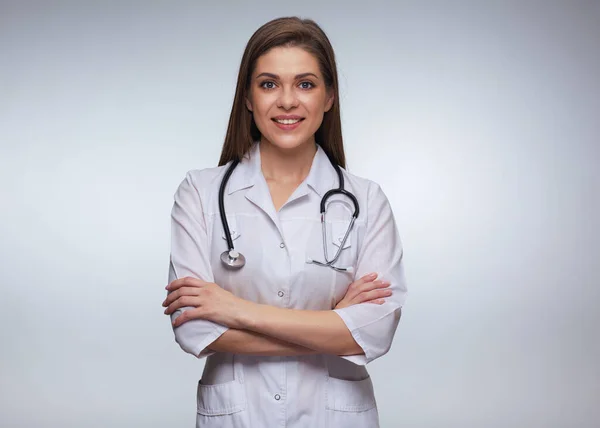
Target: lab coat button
x=282, y=245
x=277, y=397
x=280, y=294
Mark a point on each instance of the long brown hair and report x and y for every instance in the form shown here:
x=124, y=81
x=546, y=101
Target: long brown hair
x=290, y=31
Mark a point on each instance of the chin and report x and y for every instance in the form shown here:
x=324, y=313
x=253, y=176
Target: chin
x=289, y=142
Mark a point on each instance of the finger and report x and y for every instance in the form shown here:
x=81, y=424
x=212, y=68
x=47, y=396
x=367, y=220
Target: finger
x=363, y=279
x=193, y=301
x=368, y=277
x=376, y=301
x=183, y=291
x=188, y=315
x=374, y=285
x=373, y=294
x=355, y=287
x=187, y=281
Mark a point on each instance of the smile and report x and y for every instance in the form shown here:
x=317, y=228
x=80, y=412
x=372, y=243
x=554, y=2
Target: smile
x=287, y=121
x=288, y=124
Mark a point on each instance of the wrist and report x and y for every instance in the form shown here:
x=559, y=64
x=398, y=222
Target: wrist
x=246, y=316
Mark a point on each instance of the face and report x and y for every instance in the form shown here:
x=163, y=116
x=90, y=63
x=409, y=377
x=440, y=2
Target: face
x=288, y=97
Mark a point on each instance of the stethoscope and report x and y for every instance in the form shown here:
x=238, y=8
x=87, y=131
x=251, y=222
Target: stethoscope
x=233, y=259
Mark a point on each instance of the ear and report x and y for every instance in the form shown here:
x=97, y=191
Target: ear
x=248, y=104
x=329, y=101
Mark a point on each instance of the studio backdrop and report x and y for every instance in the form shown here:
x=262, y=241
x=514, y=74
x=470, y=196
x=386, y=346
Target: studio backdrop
x=479, y=119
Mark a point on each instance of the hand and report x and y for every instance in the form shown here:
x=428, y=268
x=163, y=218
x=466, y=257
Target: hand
x=207, y=299
x=365, y=290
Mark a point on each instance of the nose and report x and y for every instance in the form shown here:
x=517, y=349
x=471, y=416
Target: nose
x=287, y=98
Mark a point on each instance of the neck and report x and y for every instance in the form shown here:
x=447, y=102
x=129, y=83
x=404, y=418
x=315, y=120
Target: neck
x=286, y=165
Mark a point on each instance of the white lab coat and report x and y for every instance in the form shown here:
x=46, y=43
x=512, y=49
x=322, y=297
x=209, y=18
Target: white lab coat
x=294, y=392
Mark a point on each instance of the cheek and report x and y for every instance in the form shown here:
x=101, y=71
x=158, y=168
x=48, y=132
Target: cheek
x=315, y=106
x=316, y=116
x=261, y=121
x=260, y=111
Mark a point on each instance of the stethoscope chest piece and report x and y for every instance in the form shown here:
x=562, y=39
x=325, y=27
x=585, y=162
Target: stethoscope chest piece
x=232, y=259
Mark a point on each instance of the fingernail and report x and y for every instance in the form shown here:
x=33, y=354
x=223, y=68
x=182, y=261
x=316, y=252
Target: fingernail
x=372, y=275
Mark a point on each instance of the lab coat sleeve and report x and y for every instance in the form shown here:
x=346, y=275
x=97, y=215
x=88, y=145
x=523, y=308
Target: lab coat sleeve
x=190, y=257
x=373, y=326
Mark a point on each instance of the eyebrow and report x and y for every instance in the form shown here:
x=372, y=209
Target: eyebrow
x=298, y=76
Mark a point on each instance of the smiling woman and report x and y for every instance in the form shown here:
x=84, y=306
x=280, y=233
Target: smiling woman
x=287, y=336
x=294, y=84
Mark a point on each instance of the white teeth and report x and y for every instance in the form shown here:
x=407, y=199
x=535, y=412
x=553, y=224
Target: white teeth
x=287, y=121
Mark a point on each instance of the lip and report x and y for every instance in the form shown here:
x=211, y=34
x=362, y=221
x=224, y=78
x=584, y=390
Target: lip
x=289, y=117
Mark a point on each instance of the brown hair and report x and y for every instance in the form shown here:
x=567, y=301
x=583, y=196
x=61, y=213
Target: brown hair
x=291, y=31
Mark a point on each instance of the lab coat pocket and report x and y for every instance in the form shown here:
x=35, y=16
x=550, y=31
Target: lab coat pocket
x=350, y=395
x=233, y=228
x=221, y=399
x=338, y=231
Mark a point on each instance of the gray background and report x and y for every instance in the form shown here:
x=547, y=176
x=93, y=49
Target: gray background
x=481, y=121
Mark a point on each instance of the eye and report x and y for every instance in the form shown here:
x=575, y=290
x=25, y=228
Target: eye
x=306, y=85
x=268, y=84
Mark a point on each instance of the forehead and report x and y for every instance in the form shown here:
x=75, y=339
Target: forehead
x=287, y=61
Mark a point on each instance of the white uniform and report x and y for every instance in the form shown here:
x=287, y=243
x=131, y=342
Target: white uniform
x=294, y=392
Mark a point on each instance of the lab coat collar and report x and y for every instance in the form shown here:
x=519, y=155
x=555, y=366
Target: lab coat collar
x=247, y=172
x=321, y=177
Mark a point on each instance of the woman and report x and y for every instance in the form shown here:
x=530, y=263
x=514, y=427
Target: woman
x=287, y=338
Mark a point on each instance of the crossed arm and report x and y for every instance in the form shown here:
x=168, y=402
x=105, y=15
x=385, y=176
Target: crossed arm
x=265, y=330
x=251, y=343
x=257, y=329
x=290, y=332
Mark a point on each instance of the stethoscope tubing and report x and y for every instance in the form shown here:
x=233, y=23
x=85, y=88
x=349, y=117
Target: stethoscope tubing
x=235, y=260
x=222, y=204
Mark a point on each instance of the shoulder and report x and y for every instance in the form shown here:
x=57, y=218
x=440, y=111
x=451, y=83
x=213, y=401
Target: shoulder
x=202, y=182
x=207, y=177
x=372, y=200
x=364, y=189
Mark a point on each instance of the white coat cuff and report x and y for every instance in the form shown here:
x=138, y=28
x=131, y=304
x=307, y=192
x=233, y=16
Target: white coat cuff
x=195, y=342
x=360, y=359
